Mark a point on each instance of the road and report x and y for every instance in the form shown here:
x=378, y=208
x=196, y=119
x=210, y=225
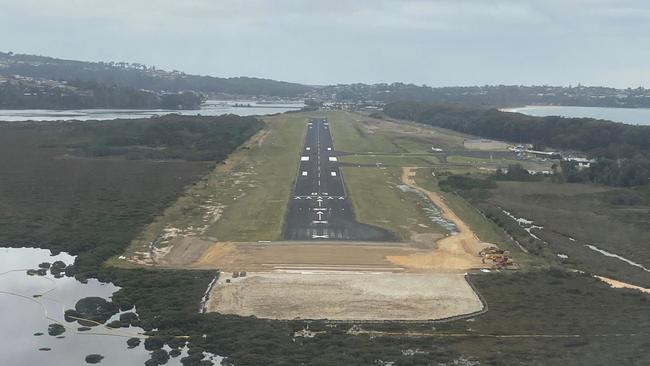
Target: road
x=319, y=207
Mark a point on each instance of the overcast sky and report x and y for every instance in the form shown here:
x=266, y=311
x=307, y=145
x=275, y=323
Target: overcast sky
x=434, y=42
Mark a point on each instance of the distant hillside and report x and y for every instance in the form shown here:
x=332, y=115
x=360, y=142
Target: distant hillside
x=138, y=76
x=622, y=151
x=491, y=96
x=24, y=92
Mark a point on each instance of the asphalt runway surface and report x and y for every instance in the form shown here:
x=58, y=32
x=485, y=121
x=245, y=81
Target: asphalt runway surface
x=319, y=207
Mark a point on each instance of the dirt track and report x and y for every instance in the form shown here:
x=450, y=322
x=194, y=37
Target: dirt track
x=457, y=251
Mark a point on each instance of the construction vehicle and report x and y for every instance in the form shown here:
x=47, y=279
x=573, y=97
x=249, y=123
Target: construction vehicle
x=498, y=257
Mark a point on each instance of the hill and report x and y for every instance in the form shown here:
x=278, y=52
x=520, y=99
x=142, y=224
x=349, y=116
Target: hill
x=139, y=76
x=491, y=96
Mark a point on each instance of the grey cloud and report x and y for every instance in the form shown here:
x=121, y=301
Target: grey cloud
x=437, y=42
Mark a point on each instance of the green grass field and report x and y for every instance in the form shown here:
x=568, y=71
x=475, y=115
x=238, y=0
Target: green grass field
x=349, y=135
x=258, y=212
x=502, y=163
x=244, y=199
x=377, y=200
x=391, y=160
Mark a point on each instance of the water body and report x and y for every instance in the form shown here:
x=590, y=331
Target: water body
x=209, y=108
x=630, y=116
x=22, y=315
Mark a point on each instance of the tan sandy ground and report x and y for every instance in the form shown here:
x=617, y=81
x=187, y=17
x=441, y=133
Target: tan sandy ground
x=345, y=296
x=230, y=257
x=619, y=284
x=457, y=251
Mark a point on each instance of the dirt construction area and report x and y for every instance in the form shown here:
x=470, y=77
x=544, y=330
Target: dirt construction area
x=420, y=278
x=344, y=295
x=456, y=251
x=348, y=281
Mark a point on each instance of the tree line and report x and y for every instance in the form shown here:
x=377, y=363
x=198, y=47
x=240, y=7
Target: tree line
x=171, y=136
x=491, y=96
x=622, y=151
x=88, y=95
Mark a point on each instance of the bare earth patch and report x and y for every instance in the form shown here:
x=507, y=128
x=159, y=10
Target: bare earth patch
x=345, y=296
x=231, y=257
x=483, y=144
x=185, y=249
x=457, y=251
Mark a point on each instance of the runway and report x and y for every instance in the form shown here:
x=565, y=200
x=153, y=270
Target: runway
x=319, y=207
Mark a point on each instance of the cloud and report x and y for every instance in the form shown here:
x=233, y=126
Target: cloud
x=437, y=42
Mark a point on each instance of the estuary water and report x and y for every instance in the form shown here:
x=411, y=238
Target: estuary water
x=24, y=317
x=209, y=108
x=630, y=116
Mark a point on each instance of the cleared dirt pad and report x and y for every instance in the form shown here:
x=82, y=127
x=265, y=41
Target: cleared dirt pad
x=345, y=296
x=267, y=257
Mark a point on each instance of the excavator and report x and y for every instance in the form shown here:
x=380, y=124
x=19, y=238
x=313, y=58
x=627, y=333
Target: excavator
x=500, y=258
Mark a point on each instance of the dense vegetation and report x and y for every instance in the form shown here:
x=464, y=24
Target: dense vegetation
x=139, y=76
x=166, y=137
x=568, y=218
x=38, y=94
x=491, y=96
x=623, y=150
x=94, y=207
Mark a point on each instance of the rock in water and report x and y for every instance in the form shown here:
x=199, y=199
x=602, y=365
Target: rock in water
x=55, y=329
x=133, y=342
x=94, y=358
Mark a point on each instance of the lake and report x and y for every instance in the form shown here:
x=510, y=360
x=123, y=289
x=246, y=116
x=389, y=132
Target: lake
x=22, y=315
x=630, y=116
x=209, y=108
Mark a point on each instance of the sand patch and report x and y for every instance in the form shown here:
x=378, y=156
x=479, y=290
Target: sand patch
x=619, y=284
x=351, y=256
